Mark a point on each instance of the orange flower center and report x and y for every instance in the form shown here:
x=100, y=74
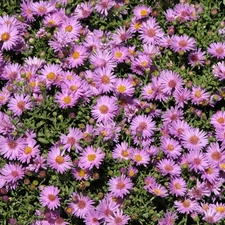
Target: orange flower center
x=76, y=55
x=104, y=109
x=125, y=153
x=220, y=51
x=151, y=32
x=69, y=28
x=177, y=186
x=220, y=120
x=220, y=209
x=91, y=157
x=198, y=94
x=105, y=79
x=138, y=158
x=51, y=76
x=67, y=100
x=118, y=54
x=186, y=203
x=21, y=105
x=121, y=88
x=170, y=147
x=28, y=150
x=59, y=159
x=81, y=204
x=5, y=36
x=144, y=12
x=194, y=140
x=216, y=156
x=51, y=197
x=168, y=168
x=120, y=185
x=182, y=43
x=81, y=173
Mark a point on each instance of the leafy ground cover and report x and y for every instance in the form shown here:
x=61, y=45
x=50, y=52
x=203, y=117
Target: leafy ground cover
x=112, y=112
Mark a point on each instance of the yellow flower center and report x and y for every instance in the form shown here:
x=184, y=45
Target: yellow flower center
x=144, y=63
x=5, y=36
x=69, y=28
x=51, y=76
x=104, y=109
x=144, y=12
x=170, y=147
x=67, y=100
x=81, y=173
x=125, y=153
x=137, y=25
x=220, y=120
x=76, y=55
x=59, y=159
x=105, y=79
x=220, y=209
x=21, y=105
x=194, y=140
x=186, y=203
x=118, y=54
x=138, y=158
x=121, y=88
x=27, y=150
x=91, y=157
x=198, y=94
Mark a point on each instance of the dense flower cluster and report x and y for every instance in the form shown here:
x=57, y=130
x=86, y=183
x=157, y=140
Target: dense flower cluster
x=126, y=107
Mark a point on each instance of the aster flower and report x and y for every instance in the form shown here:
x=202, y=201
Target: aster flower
x=122, y=151
x=120, y=186
x=218, y=119
x=83, y=10
x=215, y=153
x=150, y=31
x=178, y=127
x=26, y=11
x=120, y=54
x=186, y=206
x=142, y=126
x=121, y=35
x=71, y=139
x=90, y=158
x=118, y=218
x=168, y=166
x=197, y=160
x=49, y=197
x=211, y=173
x=77, y=57
x=104, y=79
x=103, y=6
x=194, y=139
x=140, y=157
x=92, y=218
x=105, y=109
x=196, y=58
x=182, y=43
x=10, y=147
x=81, y=174
x=9, y=36
x=178, y=186
x=199, y=95
x=182, y=96
x=172, y=114
x=37, y=164
x=171, y=147
x=42, y=8
x=148, y=92
x=170, y=15
x=81, y=205
x=31, y=150
x=58, y=161
x=72, y=26
x=198, y=191
x=217, y=50
x=211, y=216
x=123, y=87
x=52, y=20
x=168, y=218
x=170, y=81
x=158, y=190
x=66, y=99
x=142, y=11
x=219, y=70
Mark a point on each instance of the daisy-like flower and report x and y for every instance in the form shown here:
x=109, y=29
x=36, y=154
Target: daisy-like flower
x=172, y=114
x=215, y=153
x=52, y=20
x=171, y=147
x=72, y=26
x=158, y=190
x=77, y=57
x=196, y=58
x=104, y=79
x=178, y=127
x=211, y=173
x=168, y=218
x=31, y=150
x=148, y=92
x=58, y=161
x=81, y=205
x=71, y=140
x=121, y=35
x=105, y=109
x=141, y=63
x=217, y=50
x=168, y=166
x=142, y=11
x=103, y=6
x=182, y=96
x=199, y=95
x=9, y=147
x=118, y=218
x=106, y=208
x=42, y=8
x=103, y=58
x=81, y=174
x=122, y=151
x=49, y=197
x=120, y=186
x=170, y=81
x=26, y=11
x=120, y=54
x=83, y=10
x=123, y=87
x=66, y=99
x=199, y=191
x=211, y=216
x=186, y=206
x=91, y=157
x=150, y=31
x=9, y=36
x=218, y=119
x=178, y=186
x=197, y=160
x=182, y=43
x=142, y=126
x=92, y=218
x=140, y=157
x=19, y=103
x=170, y=15
x=219, y=70
x=194, y=139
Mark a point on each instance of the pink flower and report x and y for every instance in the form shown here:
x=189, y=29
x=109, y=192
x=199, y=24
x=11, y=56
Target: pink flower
x=120, y=186
x=49, y=197
x=217, y=50
x=186, y=206
x=118, y=218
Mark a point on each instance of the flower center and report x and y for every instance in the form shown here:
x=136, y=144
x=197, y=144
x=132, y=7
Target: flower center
x=51, y=76
x=197, y=161
x=216, y=156
x=220, y=51
x=198, y=94
x=21, y=105
x=186, y=204
x=194, y=140
x=125, y=153
x=104, y=109
x=157, y=191
x=118, y=220
x=15, y=174
x=81, y=173
x=73, y=88
x=151, y=32
x=71, y=141
x=177, y=186
x=12, y=144
x=118, y=54
x=51, y=197
x=172, y=83
x=168, y=168
x=69, y=28
x=42, y=9
x=142, y=126
x=27, y=150
x=105, y=79
x=76, y=55
x=220, y=209
x=182, y=43
x=138, y=158
x=137, y=25
x=144, y=64
x=209, y=170
x=67, y=100
x=220, y=120
x=121, y=88
x=91, y=157
x=5, y=36
x=144, y=12
x=81, y=204
x=120, y=185
x=59, y=159
x=170, y=147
